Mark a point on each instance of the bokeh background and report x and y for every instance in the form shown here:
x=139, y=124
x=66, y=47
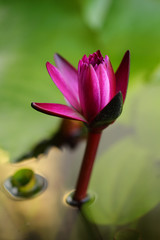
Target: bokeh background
x=30, y=33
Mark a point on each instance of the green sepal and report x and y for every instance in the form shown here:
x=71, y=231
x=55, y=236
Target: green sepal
x=109, y=113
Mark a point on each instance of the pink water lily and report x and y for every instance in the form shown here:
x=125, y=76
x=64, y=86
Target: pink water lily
x=88, y=90
x=95, y=96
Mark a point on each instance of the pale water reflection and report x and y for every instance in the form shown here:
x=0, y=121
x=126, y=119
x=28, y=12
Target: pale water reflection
x=35, y=186
x=125, y=180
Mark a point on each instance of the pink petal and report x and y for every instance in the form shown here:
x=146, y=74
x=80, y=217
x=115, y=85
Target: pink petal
x=111, y=77
x=66, y=87
x=122, y=75
x=68, y=71
x=89, y=92
x=58, y=110
x=106, y=92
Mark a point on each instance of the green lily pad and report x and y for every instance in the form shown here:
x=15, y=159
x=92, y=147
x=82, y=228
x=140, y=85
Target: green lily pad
x=95, y=12
x=127, y=187
x=127, y=234
x=147, y=119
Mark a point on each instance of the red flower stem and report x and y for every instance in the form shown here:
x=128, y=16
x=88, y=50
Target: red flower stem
x=87, y=165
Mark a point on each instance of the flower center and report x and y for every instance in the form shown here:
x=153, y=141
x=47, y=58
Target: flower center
x=95, y=58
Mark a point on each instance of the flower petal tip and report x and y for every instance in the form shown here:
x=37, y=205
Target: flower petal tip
x=57, y=57
x=34, y=105
x=47, y=65
x=122, y=74
x=126, y=59
x=127, y=55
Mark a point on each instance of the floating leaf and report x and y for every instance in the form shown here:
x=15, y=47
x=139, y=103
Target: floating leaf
x=95, y=12
x=147, y=119
x=127, y=234
x=126, y=182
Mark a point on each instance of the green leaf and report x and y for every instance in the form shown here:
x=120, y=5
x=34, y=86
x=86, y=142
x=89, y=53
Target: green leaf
x=127, y=234
x=95, y=12
x=127, y=187
x=147, y=119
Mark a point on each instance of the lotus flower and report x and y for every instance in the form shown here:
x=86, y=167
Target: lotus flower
x=94, y=93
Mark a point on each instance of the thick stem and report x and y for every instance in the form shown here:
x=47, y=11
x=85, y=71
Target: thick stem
x=87, y=165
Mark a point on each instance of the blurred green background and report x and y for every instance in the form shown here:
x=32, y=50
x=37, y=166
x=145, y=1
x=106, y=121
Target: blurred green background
x=32, y=31
x=128, y=170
